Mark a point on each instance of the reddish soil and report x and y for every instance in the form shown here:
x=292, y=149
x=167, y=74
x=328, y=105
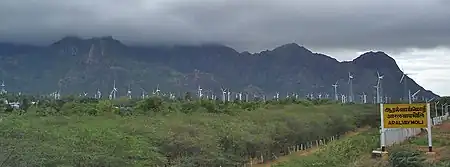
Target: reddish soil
x=444, y=126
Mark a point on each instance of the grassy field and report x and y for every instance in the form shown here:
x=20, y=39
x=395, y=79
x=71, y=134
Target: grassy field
x=354, y=151
x=176, y=138
x=340, y=153
x=412, y=153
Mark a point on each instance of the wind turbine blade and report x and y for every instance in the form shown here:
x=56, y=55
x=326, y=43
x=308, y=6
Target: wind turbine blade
x=414, y=94
x=401, y=79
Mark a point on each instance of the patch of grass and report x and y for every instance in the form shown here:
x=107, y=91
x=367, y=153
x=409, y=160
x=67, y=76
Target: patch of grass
x=338, y=153
x=412, y=152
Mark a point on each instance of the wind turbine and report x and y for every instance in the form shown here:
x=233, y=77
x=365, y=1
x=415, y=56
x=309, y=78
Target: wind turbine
x=3, y=91
x=156, y=92
x=143, y=93
x=350, y=82
x=413, y=96
x=406, y=92
x=343, y=98
x=98, y=95
x=336, y=97
x=246, y=96
x=113, y=93
x=229, y=95
x=364, y=98
x=129, y=92
x=58, y=95
x=379, y=87
x=199, y=92
x=277, y=96
x=224, y=92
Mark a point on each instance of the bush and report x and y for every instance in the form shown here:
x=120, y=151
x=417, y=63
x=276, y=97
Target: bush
x=155, y=131
x=406, y=157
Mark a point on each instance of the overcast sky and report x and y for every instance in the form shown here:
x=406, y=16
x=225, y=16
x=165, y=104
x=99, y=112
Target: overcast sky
x=415, y=32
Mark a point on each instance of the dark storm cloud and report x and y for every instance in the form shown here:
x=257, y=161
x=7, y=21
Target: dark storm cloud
x=244, y=24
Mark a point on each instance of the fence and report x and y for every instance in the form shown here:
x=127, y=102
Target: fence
x=293, y=149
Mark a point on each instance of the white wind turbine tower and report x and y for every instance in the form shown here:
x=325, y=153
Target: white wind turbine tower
x=336, y=97
x=277, y=96
x=379, y=87
x=406, y=91
x=240, y=96
x=199, y=92
x=229, y=95
x=377, y=97
x=156, y=92
x=129, y=92
x=343, y=98
x=224, y=92
x=207, y=92
x=364, y=98
x=246, y=97
x=350, y=82
x=98, y=95
x=113, y=93
x=3, y=91
x=57, y=94
x=143, y=93
x=212, y=95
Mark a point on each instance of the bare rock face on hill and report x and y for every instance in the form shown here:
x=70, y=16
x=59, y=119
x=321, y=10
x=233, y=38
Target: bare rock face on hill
x=85, y=65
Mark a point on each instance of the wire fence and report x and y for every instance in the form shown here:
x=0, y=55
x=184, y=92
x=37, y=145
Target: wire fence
x=293, y=149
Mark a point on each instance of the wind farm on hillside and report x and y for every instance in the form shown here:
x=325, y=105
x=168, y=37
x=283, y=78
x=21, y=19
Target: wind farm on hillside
x=227, y=95
x=233, y=83
x=152, y=110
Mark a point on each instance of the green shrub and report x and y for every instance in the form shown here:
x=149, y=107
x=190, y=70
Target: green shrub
x=405, y=157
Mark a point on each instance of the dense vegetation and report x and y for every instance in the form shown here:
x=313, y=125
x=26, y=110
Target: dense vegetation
x=160, y=132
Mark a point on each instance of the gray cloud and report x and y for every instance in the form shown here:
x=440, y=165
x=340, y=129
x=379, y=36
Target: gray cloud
x=245, y=25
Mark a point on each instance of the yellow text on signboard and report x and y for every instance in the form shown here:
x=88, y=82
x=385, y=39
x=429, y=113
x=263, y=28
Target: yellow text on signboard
x=405, y=115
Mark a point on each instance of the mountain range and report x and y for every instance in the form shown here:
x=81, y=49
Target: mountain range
x=75, y=65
